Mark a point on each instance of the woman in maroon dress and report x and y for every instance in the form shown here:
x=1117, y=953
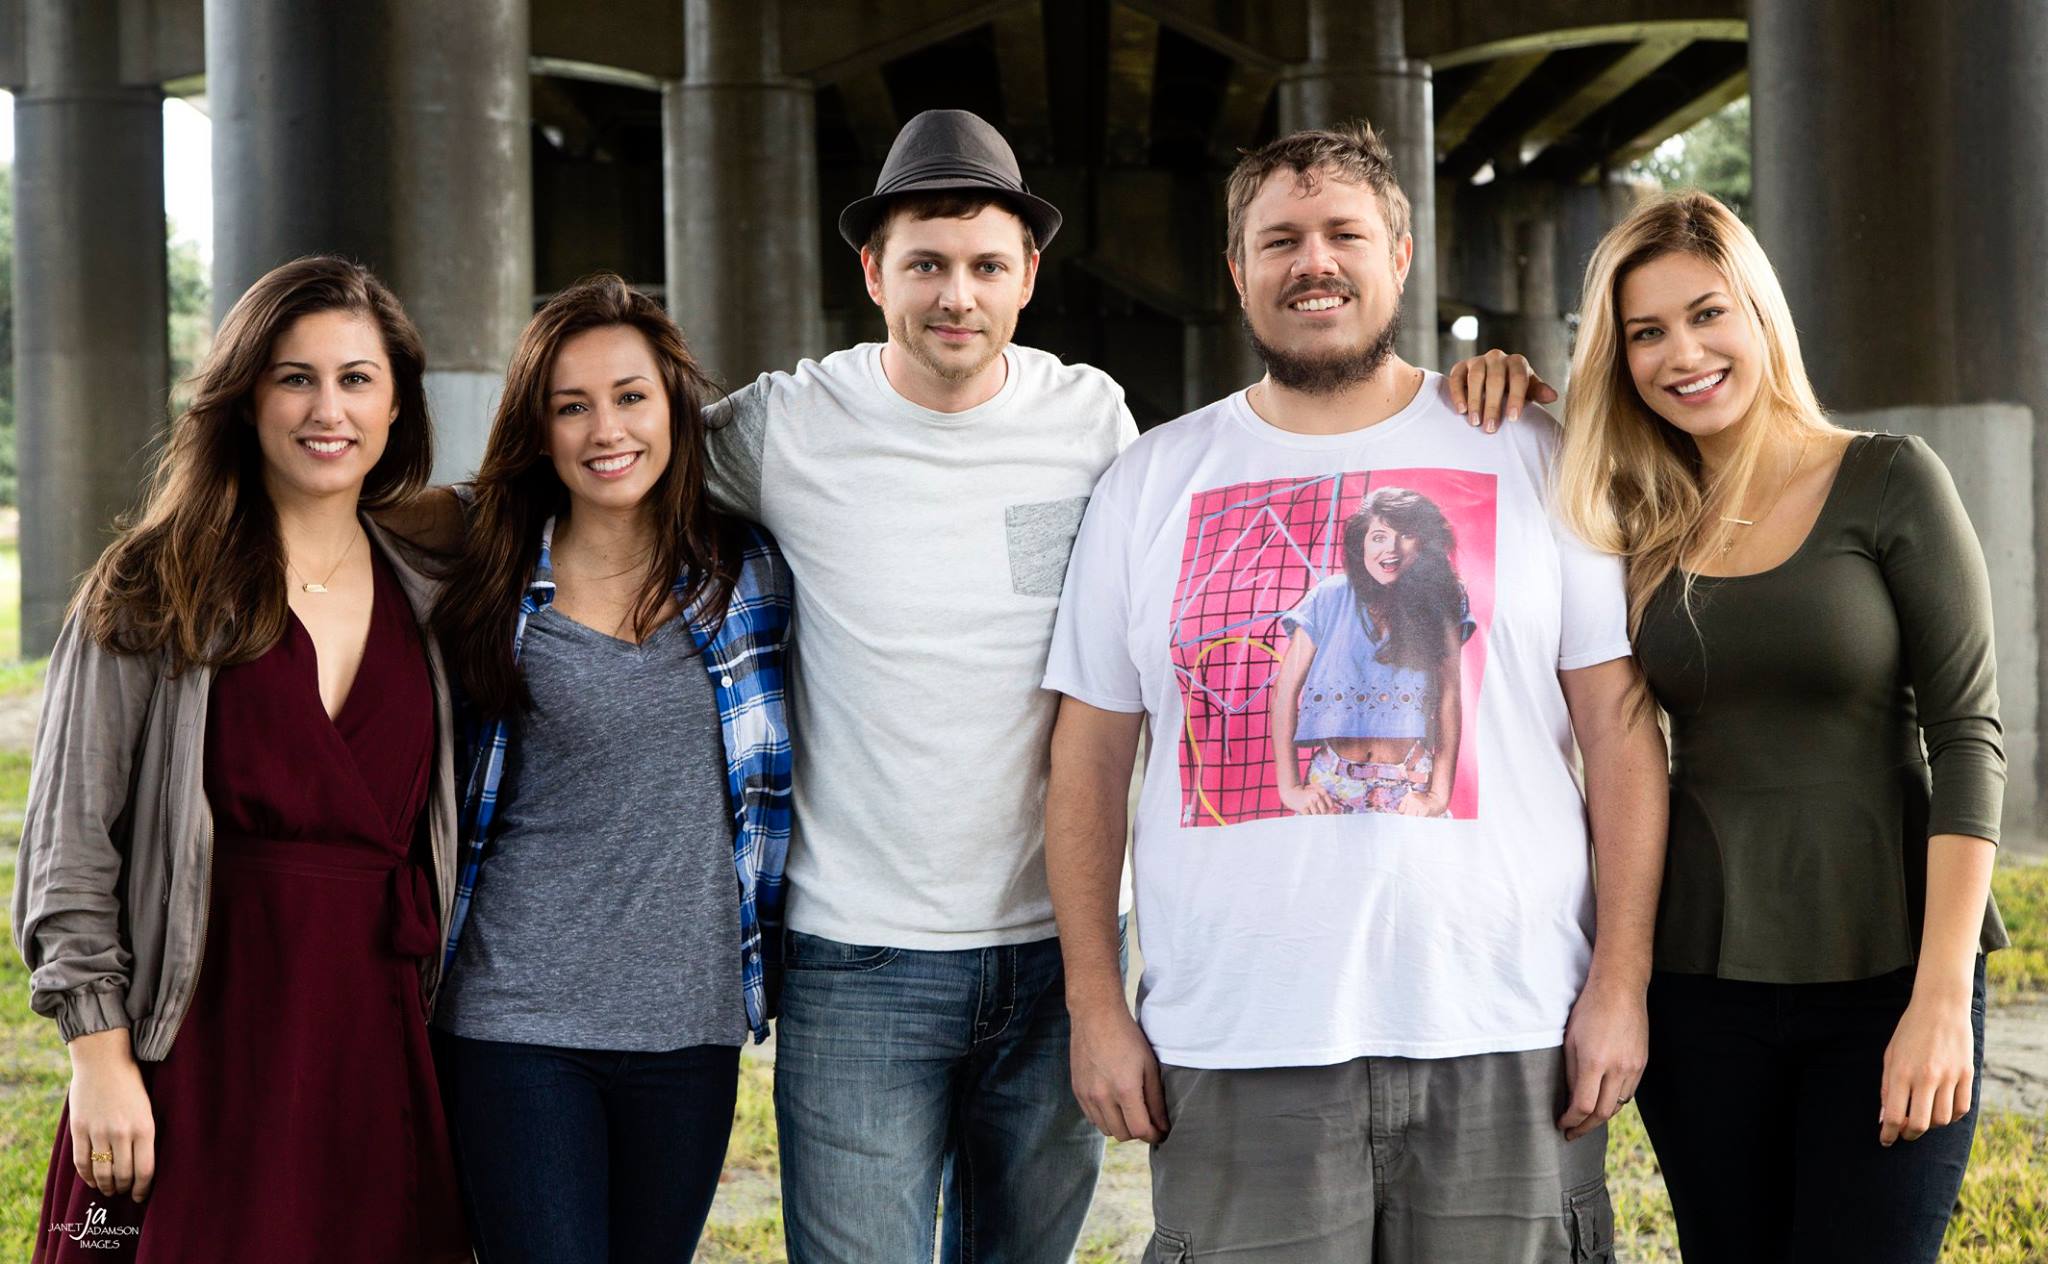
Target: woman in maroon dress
x=239, y=843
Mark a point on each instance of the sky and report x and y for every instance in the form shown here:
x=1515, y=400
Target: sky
x=188, y=168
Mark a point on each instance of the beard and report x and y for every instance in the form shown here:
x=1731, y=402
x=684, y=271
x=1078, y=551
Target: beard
x=908, y=333
x=1330, y=372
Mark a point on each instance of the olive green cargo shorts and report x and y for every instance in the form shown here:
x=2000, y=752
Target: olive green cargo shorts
x=1380, y=1160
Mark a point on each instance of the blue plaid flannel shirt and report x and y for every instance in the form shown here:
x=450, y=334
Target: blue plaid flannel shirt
x=745, y=657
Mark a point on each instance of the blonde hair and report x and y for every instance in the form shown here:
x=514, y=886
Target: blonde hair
x=1628, y=481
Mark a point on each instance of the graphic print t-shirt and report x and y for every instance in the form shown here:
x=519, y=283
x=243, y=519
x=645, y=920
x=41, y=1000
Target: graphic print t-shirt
x=1277, y=939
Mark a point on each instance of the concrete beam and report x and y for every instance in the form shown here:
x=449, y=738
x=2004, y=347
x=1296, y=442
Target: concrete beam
x=1133, y=69
x=13, y=44
x=1691, y=85
x=828, y=40
x=1454, y=32
x=166, y=39
x=1618, y=77
x=1498, y=135
x=1245, y=100
x=870, y=112
x=642, y=36
x=1493, y=85
x=1684, y=118
x=1159, y=238
x=1027, y=97
x=1268, y=36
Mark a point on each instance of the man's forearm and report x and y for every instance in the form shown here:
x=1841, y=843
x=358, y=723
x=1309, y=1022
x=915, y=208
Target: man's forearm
x=1627, y=795
x=1085, y=824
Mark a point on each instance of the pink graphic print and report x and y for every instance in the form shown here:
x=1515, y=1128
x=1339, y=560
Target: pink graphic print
x=1253, y=552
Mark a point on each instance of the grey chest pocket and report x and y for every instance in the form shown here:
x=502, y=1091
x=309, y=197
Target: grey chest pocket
x=1040, y=537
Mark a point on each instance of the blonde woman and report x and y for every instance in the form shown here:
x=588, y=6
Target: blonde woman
x=1809, y=605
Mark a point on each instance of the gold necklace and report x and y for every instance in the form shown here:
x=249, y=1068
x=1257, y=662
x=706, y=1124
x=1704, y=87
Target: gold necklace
x=307, y=585
x=1728, y=545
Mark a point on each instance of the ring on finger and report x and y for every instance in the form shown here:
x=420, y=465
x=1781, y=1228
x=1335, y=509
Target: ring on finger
x=101, y=1156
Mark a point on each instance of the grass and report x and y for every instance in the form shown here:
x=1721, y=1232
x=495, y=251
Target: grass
x=2022, y=893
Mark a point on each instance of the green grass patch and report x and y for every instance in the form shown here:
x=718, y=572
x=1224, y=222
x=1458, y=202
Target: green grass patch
x=2002, y=1217
x=752, y=1147
x=754, y=1241
x=10, y=600
x=34, y=1074
x=2022, y=894
x=17, y=678
x=1642, y=1210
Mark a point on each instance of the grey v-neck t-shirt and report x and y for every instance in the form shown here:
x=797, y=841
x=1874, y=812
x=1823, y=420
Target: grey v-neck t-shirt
x=608, y=914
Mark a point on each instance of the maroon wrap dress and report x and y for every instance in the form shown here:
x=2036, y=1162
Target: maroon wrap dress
x=297, y=1115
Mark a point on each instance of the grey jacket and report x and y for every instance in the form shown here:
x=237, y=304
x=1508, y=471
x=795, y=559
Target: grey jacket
x=110, y=894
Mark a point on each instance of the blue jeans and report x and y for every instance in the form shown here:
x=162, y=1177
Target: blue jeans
x=904, y=1075
x=573, y=1156
x=1762, y=1101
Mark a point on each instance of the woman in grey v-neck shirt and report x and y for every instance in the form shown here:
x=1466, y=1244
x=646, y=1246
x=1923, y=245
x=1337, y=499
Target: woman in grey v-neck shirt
x=597, y=996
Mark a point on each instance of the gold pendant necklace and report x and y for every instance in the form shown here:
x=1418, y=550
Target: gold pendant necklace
x=1728, y=545
x=307, y=585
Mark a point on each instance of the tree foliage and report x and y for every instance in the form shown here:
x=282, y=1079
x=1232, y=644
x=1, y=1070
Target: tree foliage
x=1713, y=155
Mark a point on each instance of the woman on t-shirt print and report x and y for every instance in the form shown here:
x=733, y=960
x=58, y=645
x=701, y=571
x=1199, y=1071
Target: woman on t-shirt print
x=1370, y=676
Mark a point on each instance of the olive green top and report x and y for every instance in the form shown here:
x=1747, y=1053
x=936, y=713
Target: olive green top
x=1802, y=796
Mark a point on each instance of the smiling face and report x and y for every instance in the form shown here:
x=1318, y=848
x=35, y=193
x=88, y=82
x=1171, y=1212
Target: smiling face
x=1320, y=280
x=950, y=288
x=1693, y=351
x=1388, y=551
x=323, y=407
x=608, y=418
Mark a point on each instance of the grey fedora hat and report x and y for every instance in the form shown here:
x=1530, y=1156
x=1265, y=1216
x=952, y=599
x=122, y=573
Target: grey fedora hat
x=949, y=151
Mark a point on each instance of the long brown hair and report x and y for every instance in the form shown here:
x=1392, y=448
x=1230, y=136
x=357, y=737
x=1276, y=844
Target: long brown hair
x=197, y=572
x=1425, y=599
x=517, y=490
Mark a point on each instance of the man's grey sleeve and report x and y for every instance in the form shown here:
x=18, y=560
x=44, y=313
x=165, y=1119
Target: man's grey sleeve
x=736, y=431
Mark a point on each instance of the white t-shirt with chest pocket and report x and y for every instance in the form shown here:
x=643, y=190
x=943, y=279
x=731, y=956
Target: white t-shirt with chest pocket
x=928, y=551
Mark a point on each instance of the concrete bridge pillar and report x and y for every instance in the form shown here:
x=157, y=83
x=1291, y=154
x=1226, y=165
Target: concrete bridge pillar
x=1358, y=68
x=91, y=354
x=1899, y=181
x=395, y=133
x=744, y=237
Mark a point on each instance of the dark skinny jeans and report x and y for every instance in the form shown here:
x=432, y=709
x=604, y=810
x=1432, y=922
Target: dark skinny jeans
x=1762, y=1100
x=574, y=1156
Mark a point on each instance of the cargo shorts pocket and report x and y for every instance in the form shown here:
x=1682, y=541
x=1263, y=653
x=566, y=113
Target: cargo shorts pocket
x=1040, y=536
x=1589, y=1219
x=1168, y=1246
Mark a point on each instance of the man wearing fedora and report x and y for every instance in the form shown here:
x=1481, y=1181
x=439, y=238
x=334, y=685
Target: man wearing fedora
x=926, y=491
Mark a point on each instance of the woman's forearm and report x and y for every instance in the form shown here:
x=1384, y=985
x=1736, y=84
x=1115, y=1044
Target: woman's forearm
x=1286, y=763
x=1286, y=709
x=1958, y=886
x=1450, y=726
